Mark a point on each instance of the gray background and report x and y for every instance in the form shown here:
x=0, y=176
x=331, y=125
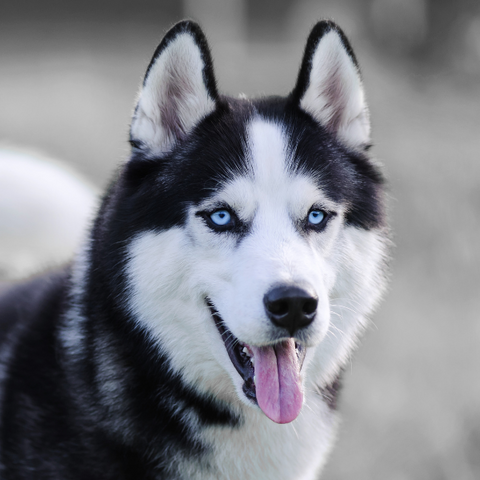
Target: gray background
x=69, y=72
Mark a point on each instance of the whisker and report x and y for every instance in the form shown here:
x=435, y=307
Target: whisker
x=296, y=433
x=329, y=332
x=348, y=300
x=345, y=307
x=308, y=406
x=337, y=329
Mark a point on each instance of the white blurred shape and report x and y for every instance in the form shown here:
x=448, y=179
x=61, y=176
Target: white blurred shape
x=45, y=208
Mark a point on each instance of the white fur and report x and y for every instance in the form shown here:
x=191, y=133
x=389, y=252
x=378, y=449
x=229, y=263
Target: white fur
x=170, y=274
x=262, y=449
x=174, y=98
x=185, y=330
x=359, y=285
x=335, y=96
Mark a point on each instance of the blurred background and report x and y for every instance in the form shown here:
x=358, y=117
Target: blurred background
x=69, y=73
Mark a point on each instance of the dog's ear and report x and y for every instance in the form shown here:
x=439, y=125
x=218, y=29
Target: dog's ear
x=329, y=86
x=178, y=91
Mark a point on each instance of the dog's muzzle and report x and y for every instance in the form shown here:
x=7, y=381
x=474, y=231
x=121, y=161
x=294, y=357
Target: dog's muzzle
x=271, y=373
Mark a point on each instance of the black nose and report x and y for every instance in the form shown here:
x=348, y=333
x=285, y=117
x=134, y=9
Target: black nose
x=291, y=307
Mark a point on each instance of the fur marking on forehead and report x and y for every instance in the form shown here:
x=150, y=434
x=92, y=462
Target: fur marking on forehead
x=271, y=182
x=271, y=164
x=268, y=150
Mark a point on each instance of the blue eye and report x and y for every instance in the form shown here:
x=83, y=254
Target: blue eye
x=221, y=217
x=315, y=217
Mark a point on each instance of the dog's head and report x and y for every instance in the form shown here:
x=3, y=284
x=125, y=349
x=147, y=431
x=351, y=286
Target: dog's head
x=254, y=227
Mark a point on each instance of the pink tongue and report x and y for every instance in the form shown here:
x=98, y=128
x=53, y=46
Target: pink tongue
x=277, y=381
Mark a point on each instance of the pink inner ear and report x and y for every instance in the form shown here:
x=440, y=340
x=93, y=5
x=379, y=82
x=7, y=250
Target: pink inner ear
x=334, y=96
x=334, y=92
x=175, y=92
x=175, y=96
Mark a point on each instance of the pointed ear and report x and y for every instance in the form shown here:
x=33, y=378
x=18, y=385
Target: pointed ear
x=178, y=91
x=329, y=86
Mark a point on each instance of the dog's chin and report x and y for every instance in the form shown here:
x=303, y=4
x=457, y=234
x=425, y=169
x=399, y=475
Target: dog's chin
x=280, y=394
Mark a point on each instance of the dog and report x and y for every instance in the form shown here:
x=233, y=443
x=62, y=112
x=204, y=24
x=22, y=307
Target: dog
x=202, y=329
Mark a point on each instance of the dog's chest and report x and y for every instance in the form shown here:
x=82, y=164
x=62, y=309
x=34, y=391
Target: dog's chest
x=260, y=448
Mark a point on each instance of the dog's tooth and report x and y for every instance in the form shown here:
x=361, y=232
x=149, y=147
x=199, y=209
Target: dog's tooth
x=246, y=351
x=252, y=359
x=254, y=378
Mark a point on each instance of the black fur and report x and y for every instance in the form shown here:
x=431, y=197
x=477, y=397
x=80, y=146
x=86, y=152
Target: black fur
x=347, y=176
x=57, y=423
x=198, y=166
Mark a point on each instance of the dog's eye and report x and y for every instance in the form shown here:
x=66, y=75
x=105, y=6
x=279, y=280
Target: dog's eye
x=222, y=218
x=316, y=217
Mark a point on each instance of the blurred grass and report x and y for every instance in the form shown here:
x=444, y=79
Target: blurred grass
x=410, y=404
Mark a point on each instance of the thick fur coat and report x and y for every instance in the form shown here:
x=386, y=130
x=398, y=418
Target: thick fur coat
x=202, y=330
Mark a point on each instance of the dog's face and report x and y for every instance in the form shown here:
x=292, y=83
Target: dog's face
x=260, y=249
x=270, y=235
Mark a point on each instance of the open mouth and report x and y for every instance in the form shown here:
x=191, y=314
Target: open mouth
x=271, y=373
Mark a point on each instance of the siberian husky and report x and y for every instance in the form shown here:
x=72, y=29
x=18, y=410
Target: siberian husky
x=202, y=330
